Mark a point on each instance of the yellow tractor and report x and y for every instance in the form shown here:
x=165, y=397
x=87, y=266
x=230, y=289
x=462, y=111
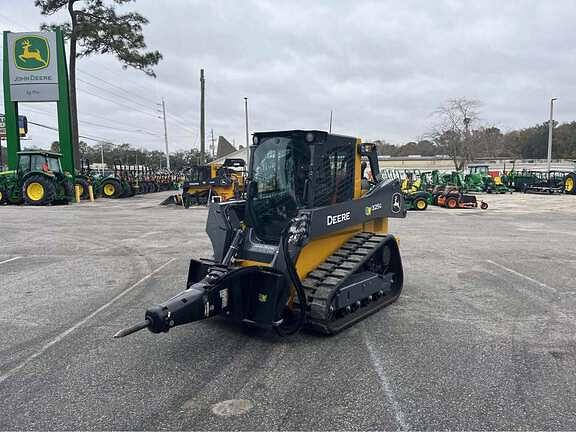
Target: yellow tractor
x=206, y=183
x=308, y=247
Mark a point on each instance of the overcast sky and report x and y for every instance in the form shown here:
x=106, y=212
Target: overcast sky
x=382, y=66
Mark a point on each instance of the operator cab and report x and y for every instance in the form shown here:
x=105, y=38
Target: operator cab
x=48, y=162
x=293, y=170
x=199, y=174
x=479, y=169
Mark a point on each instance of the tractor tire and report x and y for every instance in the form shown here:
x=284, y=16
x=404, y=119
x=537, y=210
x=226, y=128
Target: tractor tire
x=68, y=191
x=38, y=190
x=570, y=184
x=3, y=196
x=111, y=188
x=83, y=185
x=420, y=204
x=483, y=205
x=127, y=191
x=451, y=202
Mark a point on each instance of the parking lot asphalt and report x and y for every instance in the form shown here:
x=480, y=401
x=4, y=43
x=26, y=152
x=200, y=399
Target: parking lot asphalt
x=483, y=336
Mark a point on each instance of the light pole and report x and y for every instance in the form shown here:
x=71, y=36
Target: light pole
x=550, y=127
x=165, y=134
x=102, y=158
x=247, y=134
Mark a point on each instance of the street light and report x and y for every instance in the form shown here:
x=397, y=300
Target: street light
x=247, y=134
x=550, y=127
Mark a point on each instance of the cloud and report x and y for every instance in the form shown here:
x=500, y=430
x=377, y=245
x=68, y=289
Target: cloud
x=382, y=66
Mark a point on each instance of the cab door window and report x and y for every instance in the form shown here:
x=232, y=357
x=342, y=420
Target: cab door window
x=39, y=163
x=335, y=176
x=24, y=163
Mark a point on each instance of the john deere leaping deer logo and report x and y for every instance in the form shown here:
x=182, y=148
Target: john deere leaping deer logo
x=31, y=53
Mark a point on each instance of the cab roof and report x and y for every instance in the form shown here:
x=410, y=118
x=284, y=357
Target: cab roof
x=40, y=152
x=301, y=132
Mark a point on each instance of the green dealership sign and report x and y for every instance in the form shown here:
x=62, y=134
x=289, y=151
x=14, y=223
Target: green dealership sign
x=33, y=67
x=35, y=71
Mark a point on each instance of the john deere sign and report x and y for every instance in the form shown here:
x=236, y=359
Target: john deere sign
x=33, y=67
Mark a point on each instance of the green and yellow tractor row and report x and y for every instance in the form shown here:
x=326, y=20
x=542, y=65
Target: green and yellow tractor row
x=38, y=180
x=124, y=181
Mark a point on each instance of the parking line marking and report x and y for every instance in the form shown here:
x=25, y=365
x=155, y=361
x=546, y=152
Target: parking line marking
x=65, y=333
x=380, y=371
x=528, y=278
x=10, y=260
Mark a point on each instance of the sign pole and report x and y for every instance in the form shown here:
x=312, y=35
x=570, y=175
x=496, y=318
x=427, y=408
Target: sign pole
x=11, y=111
x=63, y=108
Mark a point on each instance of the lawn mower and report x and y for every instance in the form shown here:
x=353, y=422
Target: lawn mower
x=415, y=197
x=452, y=198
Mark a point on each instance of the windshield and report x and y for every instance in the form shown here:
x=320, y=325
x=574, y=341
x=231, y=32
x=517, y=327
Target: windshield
x=54, y=165
x=479, y=169
x=199, y=174
x=39, y=163
x=280, y=168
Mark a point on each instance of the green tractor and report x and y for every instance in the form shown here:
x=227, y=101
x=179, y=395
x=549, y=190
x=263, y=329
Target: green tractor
x=480, y=180
x=119, y=183
x=38, y=180
x=86, y=177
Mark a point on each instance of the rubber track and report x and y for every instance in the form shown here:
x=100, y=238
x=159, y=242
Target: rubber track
x=322, y=284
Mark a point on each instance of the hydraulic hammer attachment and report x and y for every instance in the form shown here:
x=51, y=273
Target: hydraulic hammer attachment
x=250, y=294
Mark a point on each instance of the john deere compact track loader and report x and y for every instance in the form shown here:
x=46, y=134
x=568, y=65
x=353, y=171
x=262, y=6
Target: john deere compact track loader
x=309, y=246
x=205, y=182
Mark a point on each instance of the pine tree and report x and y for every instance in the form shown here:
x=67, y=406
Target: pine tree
x=97, y=28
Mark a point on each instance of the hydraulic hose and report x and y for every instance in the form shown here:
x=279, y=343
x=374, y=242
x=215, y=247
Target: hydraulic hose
x=293, y=276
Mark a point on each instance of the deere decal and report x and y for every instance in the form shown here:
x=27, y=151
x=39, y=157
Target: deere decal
x=31, y=53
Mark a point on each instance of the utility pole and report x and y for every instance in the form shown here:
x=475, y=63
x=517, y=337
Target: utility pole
x=550, y=127
x=467, y=121
x=165, y=134
x=247, y=134
x=330, y=129
x=212, y=139
x=102, y=157
x=202, y=118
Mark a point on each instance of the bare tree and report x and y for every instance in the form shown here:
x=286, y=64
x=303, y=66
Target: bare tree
x=454, y=121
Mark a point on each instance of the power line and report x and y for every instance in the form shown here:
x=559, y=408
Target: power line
x=112, y=92
x=89, y=115
x=98, y=125
x=119, y=103
x=114, y=73
x=115, y=86
x=53, y=128
x=182, y=125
